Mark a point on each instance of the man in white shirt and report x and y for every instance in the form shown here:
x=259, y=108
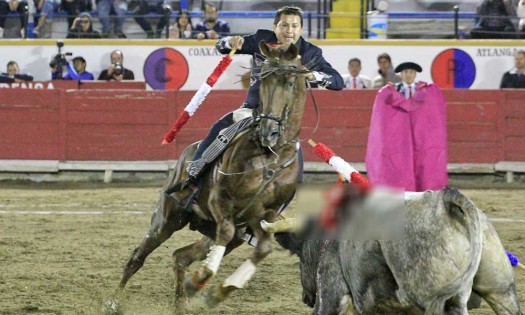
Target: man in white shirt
x=354, y=80
x=408, y=72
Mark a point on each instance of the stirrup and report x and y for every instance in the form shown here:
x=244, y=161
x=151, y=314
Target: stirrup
x=188, y=184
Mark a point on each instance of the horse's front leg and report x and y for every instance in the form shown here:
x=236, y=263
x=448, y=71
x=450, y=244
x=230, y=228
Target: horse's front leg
x=220, y=208
x=183, y=258
x=244, y=272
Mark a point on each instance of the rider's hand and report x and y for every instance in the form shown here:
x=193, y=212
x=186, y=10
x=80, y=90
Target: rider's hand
x=310, y=77
x=236, y=42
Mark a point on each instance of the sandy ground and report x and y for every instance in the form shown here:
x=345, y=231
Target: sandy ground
x=70, y=263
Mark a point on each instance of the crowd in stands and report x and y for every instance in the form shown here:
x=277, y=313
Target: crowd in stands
x=495, y=19
x=111, y=14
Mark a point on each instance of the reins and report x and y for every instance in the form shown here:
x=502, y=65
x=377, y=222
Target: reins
x=316, y=107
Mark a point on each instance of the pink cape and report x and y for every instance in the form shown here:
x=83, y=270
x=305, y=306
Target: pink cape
x=407, y=142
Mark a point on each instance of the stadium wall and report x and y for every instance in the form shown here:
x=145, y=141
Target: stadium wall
x=484, y=126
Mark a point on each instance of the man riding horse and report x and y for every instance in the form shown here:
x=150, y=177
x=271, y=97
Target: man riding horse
x=263, y=160
x=287, y=28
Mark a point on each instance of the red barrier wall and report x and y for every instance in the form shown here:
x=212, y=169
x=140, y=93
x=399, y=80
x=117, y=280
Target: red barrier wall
x=483, y=126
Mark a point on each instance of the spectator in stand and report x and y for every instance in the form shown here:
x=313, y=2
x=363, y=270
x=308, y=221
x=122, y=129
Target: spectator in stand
x=73, y=9
x=354, y=80
x=211, y=27
x=515, y=78
x=521, y=14
x=44, y=27
x=12, y=69
x=182, y=28
x=116, y=70
x=82, y=27
x=156, y=6
x=494, y=21
x=75, y=72
x=120, y=8
x=11, y=6
x=386, y=72
x=13, y=74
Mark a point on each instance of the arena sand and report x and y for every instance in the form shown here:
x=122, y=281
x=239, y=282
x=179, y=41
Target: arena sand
x=71, y=263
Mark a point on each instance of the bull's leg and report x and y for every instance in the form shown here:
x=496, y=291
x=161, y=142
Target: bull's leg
x=241, y=275
x=332, y=291
x=503, y=302
x=495, y=279
x=457, y=305
x=166, y=219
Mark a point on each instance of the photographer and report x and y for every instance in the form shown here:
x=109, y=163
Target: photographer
x=75, y=72
x=82, y=27
x=116, y=71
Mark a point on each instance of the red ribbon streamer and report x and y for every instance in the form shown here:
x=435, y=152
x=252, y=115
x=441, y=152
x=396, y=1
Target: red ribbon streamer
x=181, y=121
x=323, y=152
x=219, y=70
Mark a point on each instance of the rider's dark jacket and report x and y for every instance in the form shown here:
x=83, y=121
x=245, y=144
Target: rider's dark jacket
x=310, y=55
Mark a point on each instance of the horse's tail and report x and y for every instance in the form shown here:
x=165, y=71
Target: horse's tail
x=463, y=210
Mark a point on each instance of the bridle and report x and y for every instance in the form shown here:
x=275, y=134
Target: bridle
x=282, y=71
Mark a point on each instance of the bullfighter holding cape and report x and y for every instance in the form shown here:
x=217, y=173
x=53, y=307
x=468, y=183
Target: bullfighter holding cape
x=407, y=142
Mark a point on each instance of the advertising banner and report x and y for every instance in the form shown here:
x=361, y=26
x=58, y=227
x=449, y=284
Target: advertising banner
x=185, y=65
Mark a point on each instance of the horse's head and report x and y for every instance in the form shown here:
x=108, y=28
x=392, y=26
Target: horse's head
x=282, y=92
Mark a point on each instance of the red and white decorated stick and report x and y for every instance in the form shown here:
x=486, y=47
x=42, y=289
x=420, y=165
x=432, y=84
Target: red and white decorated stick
x=340, y=165
x=198, y=98
x=346, y=173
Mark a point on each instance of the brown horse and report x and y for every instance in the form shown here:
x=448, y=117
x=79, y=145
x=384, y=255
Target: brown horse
x=255, y=175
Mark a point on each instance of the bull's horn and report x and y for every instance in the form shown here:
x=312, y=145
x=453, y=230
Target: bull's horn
x=520, y=265
x=281, y=226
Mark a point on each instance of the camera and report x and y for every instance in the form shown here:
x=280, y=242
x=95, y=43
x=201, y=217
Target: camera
x=166, y=8
x=117, y=68
x=59, y=60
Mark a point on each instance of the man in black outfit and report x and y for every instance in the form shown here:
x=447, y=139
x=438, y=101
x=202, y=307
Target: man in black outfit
x=494, y=21
x=515, y=78
x=287, y=28
x=116, y=70
x=156, y=6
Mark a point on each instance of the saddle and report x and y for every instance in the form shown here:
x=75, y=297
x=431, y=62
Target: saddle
x=195, y=168
x=218, y=146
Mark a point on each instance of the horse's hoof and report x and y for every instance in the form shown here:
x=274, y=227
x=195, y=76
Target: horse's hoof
x=181, y=299
x=181, y=305
x=190, y=288
x=218, y=294
x=212, y=298
x=112, y=306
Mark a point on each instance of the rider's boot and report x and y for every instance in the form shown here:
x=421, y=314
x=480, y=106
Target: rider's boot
x=188, y=190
